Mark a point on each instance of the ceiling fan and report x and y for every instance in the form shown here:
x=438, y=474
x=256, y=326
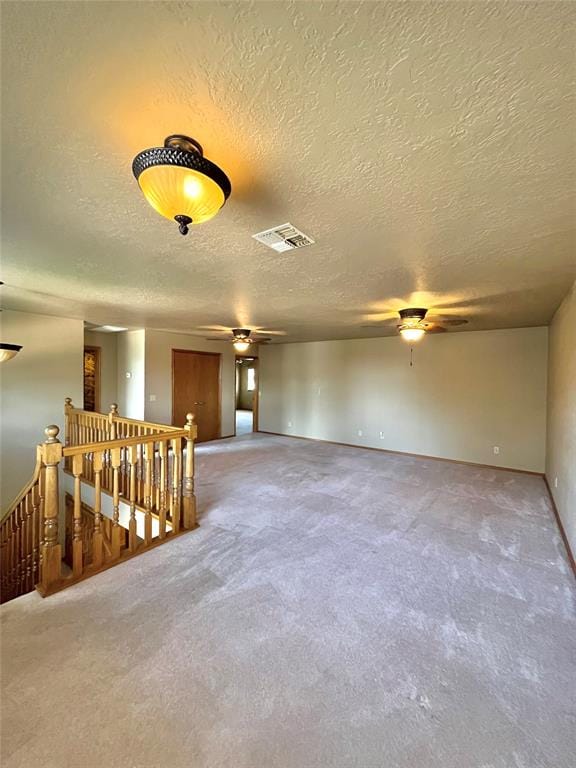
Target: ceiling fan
x=415, y=323
x=241, y=338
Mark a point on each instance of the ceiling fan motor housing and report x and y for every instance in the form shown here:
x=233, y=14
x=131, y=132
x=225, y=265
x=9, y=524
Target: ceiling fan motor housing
x=241, y=333
x=417, y=313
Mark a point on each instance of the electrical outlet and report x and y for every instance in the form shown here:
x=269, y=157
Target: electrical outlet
x=289, y=423
x=555, y=482
x=496, y=449
x=360, y=433
x=128, y=375
x=381, y=435
x=152, y=398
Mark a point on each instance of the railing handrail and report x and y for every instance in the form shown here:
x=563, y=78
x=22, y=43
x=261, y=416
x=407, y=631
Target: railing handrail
x=114, y=416
x=122, y=442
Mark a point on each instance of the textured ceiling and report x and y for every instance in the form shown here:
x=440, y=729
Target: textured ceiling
x=428, y=148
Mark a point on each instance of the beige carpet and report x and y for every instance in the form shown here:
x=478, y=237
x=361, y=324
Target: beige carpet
x=338, y=608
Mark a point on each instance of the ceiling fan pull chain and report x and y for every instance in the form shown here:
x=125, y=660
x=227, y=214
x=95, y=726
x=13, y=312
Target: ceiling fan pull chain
x=411, y=356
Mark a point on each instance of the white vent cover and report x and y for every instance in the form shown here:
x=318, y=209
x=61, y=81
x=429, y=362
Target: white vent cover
x=283, y=238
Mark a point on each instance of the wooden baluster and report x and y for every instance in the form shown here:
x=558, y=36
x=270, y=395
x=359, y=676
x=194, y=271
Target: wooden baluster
x=175, y=501
x=97, y=540
x=140, y=476
x=188, y=495
x=28, y=534
x=116, y=529
x=162, y=451
x=36, y=521
x=6, y=559
x=148, y=473
x=77, y=468
x=133, y=464
x=3, y=559
x=9, y=547
x=67, y=427
x=42, y=499
x=16, y=566
x=51, y=549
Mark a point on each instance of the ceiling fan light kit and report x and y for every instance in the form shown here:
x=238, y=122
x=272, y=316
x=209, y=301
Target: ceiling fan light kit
x=411, y=328
x=412, y=334
x=242, y=339
x=180, y=183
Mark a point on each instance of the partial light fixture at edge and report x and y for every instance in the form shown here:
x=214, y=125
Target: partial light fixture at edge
x=8, y=351
x=242, y=346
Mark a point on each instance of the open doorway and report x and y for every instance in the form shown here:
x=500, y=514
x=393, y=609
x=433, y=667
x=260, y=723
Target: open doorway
x=92, y=378
x=246, y=395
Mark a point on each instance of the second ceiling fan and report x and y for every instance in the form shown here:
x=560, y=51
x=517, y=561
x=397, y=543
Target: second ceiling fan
x=241, y=338
x=415, y=324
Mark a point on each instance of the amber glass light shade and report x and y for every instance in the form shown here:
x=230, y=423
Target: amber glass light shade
x=174, y=191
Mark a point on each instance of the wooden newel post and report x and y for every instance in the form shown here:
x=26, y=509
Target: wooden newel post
x=51, y=549
x=112, y=420
x=188, y=497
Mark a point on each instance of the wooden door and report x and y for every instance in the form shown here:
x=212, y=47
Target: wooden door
x=196, y=388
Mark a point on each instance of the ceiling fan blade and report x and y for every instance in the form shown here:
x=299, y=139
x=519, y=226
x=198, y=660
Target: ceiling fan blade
x=265, y=331
x=433, y=328
x=261, y=339
x=216, y=338
x=447, y=320
x=386, y=323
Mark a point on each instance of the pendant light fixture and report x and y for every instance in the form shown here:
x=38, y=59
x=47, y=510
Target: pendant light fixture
x=180, y=183
x=8, y=351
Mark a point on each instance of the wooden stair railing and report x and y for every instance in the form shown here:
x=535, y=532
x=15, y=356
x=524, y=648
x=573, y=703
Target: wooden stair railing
x=90, y=427
x=150, y=475
x=20, y=538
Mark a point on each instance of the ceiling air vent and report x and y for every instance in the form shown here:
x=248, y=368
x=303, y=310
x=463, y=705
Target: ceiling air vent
x=283, y=238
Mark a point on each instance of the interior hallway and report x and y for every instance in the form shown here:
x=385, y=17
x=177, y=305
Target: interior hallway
x=337, y=607
x=243, y=422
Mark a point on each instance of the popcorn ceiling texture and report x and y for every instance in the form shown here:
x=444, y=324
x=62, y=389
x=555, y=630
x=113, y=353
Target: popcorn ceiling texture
x=428, y=148
x=337, y=608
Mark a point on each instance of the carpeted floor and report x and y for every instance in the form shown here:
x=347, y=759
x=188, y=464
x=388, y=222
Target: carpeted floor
x=338, y=608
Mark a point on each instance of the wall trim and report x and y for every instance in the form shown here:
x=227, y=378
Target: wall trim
x=569, y=552
x=405, y=453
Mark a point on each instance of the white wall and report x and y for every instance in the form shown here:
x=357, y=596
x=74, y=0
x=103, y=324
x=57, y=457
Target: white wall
x=159, y=346
x=561, y=437
x=466, y=393
x=33, y=386
x=131, y=360
x=108, y=344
